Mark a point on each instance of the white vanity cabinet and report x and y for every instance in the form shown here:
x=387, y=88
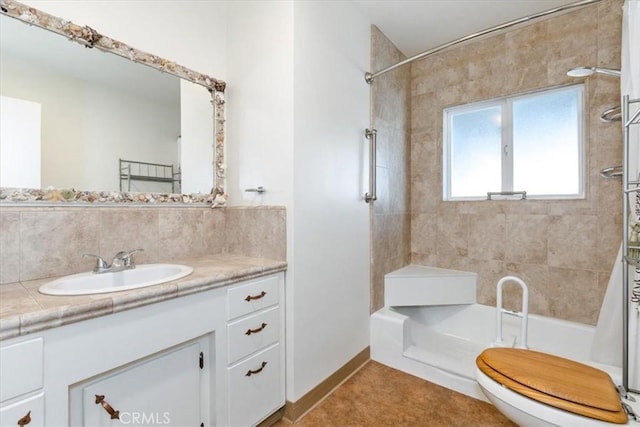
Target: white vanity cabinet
x=170, y=363
x=255, y=334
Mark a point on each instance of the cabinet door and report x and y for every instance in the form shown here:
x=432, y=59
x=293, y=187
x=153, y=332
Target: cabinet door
x=164, y=390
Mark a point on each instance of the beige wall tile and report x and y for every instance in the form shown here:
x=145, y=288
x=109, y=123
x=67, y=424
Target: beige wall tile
x=181, y=234
x=39, y=243
x=487, y=236
x=575, y=294
x=392, y=116
x=9, y=246
x=126, y=229
x=533, y=237
x=259, y=232
x=536, y=276
x=572, y=241
x=53, y=242
x=526, y=240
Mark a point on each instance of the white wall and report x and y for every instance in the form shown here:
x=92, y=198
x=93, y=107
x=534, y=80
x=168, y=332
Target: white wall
x=297, y=112
x=19, y=143
x=87, y=127
x=260, y=107
x=331, y=221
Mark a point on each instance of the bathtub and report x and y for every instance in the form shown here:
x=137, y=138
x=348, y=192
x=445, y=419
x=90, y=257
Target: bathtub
x=439, y=343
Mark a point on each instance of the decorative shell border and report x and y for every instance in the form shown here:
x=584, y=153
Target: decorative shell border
x=90, y=38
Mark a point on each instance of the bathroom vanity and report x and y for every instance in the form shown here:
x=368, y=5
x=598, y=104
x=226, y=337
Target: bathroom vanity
x=205, y=350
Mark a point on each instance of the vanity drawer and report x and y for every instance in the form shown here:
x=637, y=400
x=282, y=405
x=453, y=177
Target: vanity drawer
x=255, y=388
x=253, y=296
x=21, y=368
x=253, y=333
x=34, y=406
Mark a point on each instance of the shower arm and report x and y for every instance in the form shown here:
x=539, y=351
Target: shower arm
x=369, y=77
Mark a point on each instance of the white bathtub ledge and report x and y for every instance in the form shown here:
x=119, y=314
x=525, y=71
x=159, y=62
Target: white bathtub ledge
x=423, y=286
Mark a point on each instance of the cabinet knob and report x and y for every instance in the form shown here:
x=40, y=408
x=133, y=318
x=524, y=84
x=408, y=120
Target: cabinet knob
x=115, y=415
x=25, y=420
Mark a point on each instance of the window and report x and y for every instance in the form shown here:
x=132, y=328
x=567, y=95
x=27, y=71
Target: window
x=531, y=143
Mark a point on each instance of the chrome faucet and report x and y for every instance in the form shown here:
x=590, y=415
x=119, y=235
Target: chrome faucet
x=122, y=261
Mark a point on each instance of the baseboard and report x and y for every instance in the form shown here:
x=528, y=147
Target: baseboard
x=293, y=411
x=273, y=418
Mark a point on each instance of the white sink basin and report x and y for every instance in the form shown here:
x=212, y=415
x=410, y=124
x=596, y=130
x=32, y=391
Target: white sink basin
x=93, y=283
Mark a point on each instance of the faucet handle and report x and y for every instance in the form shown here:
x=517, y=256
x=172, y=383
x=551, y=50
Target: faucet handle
x=125, y=258
x=101, y=264
x=135, y=251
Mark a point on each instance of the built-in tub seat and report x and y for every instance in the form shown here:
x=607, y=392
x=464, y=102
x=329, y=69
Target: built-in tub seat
x=555, y=381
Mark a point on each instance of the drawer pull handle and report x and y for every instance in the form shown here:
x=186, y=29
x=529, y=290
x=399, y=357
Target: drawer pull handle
x=255, y=331
x=257, y=371
x=252, y=297
x=115, y=415
x=25, y=420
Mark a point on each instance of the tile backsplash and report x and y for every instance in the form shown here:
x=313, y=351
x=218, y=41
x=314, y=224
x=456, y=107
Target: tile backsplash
x=41, y=242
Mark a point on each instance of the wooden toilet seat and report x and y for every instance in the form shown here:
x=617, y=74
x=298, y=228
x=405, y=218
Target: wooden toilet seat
x=555, y=381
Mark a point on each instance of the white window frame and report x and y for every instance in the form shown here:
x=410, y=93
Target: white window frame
x=506, y=106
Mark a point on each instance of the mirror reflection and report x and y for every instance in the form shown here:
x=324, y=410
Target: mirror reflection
x=75, y=117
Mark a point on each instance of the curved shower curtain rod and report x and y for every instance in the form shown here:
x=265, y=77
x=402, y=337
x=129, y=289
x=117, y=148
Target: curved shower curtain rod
x=369, y=77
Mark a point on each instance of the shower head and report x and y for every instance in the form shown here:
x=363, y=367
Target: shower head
x=587, y=71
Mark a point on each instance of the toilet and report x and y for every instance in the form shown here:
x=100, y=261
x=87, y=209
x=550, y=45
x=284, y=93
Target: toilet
x=538, y=389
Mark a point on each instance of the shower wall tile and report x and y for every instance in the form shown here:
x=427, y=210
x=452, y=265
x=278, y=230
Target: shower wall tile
x=558, y=246
x=608, y=240
x=424, y=233
x=526, y=239
x=487, y=237
x=453, y=236
x=43, y=242
x=536, y=276
x=575, y=294
x=384, y=181
x=391, y=116
x=571, y=241
x=557, y=67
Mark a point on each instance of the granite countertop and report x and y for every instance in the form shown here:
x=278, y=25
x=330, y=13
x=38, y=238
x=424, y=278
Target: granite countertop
x=23, y=310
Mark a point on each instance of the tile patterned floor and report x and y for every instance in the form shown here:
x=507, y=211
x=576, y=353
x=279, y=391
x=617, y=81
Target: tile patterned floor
x=379, y=396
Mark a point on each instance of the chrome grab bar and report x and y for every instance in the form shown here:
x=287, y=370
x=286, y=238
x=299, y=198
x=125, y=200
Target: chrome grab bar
x=490, y=194
x=371, y=134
